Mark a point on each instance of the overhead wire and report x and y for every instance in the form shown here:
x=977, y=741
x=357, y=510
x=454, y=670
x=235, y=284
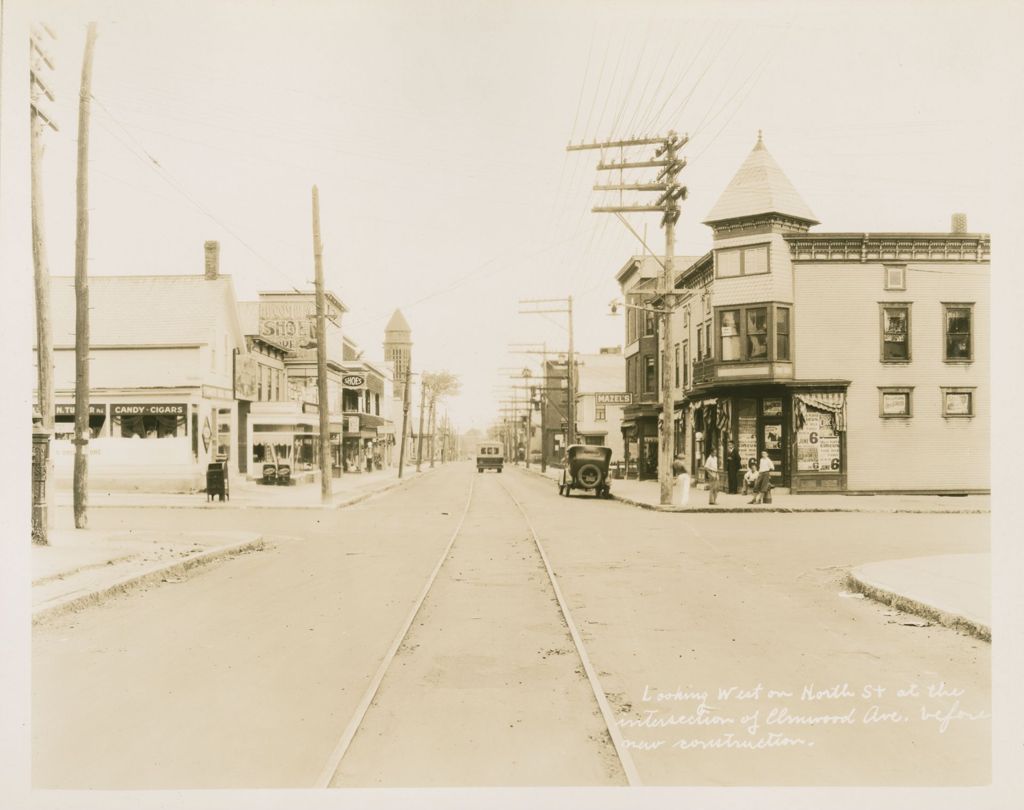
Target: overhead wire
x=154, y=164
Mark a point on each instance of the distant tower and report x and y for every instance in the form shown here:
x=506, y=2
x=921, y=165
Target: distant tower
x=398, y=347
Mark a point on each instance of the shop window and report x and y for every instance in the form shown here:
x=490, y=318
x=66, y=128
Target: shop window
x=757, y=333
x=895, y=403
x=650, y=374
x=600, y=413
x=729, y=329
x=782, y=333
x=895, y=276
x=958, y=402
x=895, y=333
x=155, y=426
x=223, y=433
x=744, y=261
x=958, y=320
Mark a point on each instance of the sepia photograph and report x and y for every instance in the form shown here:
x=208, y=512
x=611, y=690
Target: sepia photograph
x=459, y=404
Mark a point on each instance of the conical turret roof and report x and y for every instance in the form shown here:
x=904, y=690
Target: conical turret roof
x=759, y=187
x=398, y=323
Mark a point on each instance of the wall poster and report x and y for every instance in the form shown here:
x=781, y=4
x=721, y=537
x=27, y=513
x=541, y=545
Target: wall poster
x=817, y=444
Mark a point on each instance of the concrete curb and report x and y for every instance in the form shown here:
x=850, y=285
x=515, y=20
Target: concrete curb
x=918, y=608
x=751, y=508
x=157, y=572
x=241, y=506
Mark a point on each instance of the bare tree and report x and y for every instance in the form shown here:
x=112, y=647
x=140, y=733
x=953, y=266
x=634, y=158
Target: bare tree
x=438, y=386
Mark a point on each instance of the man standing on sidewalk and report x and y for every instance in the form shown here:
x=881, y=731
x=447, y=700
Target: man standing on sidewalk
x=732, y=467
x=711, y=471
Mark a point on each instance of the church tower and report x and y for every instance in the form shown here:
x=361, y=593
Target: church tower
x=398, y=347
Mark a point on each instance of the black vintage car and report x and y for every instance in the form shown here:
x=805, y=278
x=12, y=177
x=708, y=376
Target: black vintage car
x=586, y=468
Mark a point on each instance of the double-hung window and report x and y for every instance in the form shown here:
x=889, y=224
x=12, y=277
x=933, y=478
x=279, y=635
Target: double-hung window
x=895, y=336
x=958, y=320
x=650, y=374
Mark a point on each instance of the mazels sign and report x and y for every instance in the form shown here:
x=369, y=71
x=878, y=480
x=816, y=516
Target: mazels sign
x=619, y=398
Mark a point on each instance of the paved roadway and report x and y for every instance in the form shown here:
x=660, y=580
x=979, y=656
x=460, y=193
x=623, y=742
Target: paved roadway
x=247, y=673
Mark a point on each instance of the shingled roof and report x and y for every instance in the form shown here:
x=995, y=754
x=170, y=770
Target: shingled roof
x=398, y=323
x=759, y=187
x=145, y=310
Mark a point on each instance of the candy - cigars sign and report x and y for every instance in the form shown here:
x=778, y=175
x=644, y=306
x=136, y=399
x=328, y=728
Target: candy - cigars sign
x=147, y=410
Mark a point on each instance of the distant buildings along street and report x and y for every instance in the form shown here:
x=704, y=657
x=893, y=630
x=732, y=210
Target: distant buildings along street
x=182, y=374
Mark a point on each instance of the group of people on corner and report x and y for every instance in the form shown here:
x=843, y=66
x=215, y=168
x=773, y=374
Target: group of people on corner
x=756, y=480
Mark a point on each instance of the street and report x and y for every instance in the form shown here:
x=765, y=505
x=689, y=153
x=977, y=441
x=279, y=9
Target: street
x=726, y=645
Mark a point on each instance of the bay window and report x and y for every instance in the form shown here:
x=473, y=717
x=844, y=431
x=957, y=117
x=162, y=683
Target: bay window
x=754, y=333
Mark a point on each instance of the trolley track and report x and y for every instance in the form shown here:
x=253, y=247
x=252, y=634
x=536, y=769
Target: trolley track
x=623, y=763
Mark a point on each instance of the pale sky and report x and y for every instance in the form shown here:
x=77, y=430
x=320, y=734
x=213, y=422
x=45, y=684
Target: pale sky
x=436, y=133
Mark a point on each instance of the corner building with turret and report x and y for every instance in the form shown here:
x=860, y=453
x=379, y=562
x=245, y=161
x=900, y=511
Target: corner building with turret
x=857, y=361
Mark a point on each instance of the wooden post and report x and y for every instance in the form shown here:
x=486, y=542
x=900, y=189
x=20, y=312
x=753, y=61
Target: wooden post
x=323, y=405
x=81, y=472
x=433, y=427
x=405, y=420
x=419, y=439
x=41, y=276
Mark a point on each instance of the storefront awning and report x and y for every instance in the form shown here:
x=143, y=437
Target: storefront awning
x=833, y=402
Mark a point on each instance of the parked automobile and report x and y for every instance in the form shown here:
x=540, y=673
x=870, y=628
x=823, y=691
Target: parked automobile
x=586, y=468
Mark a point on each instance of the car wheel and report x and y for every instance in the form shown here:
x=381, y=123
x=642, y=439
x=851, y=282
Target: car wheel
x=589, y=476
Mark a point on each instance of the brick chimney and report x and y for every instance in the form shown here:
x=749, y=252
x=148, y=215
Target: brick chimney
x=958, y=224
x=212, y=260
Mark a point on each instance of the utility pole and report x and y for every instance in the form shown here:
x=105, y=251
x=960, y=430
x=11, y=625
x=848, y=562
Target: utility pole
x=405, y=421
x=545, y=305
x=419, y=438
x=527, y=374
x=666, y=159
x=41, y=271
x=433, y=427
x=323, y=406
x=81, y=470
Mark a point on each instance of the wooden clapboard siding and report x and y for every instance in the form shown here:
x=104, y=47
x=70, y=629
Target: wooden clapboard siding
x=837, y=335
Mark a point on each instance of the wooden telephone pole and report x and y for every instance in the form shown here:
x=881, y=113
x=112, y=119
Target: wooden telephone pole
x=419, y=438
x=41, y=271
x=405, y=420
x=667, y=205
x=323, y=405
x=545, y=305
x=81, y=472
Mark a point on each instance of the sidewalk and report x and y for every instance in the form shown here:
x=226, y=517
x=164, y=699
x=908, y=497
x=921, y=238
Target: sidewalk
x=84, y=567
x=350, y=488
x=647, y=494
x=953, y=590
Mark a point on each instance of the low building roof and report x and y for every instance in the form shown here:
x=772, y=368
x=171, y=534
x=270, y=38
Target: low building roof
x=146, y=310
